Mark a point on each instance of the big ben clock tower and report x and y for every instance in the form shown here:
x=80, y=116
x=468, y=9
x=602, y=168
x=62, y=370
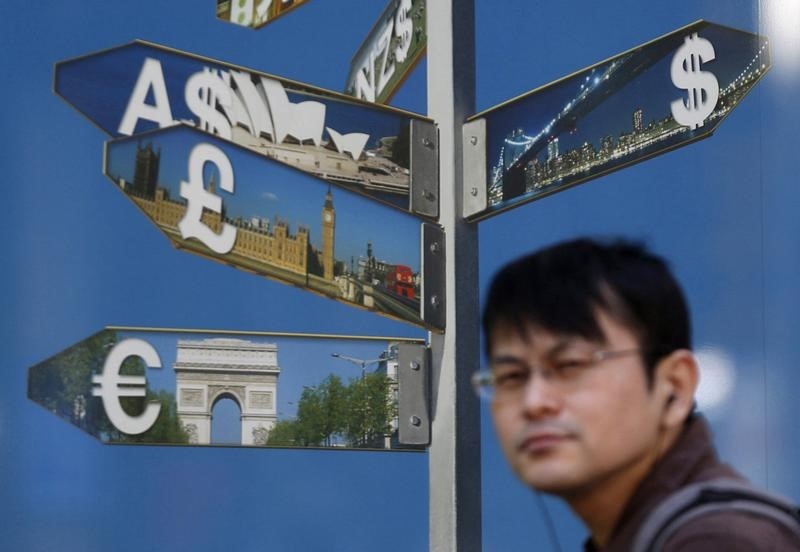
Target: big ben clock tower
x=328, y=225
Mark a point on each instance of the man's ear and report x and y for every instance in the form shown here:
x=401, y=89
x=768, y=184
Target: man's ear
x=675, y=381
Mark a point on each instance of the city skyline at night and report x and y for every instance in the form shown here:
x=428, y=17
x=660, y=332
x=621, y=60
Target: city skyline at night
x=590, y=118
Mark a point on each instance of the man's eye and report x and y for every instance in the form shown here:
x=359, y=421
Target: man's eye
x=567, y=368
x=510, y=378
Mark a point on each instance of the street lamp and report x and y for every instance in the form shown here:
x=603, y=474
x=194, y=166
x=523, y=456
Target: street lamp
x=364, y=363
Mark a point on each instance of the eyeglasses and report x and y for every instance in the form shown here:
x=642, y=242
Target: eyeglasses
x=508, y=377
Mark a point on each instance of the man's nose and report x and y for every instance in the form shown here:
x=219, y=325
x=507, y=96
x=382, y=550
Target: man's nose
x=541, y=396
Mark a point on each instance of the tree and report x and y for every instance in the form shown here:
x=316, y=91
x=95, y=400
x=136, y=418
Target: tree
x=167, y=429
x=334, y=407
x=284, y=434
x=63, y=385
x=370, y=411
x=321, y=413
x=331, y=413
x=310, y=422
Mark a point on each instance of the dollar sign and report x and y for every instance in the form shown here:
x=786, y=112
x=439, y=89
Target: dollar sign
x=203, y=91
x=702, y=86
x=403, y=29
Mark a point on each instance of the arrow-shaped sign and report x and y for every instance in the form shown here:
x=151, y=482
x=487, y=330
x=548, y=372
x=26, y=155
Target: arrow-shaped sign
x=254, y=13
x=386, y=153
x=659, y=96
x=213, y=198
x=392, y=48
x=160, y=386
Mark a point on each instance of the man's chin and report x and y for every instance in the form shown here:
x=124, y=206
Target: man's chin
x=548, y=475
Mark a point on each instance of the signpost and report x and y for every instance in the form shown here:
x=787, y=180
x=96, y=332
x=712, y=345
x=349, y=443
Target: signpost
x=226, y=203
x=157, y=386
x=207, y=149
x=391, y=50
x=378, y=151
x=667, y=93
x=254, y=13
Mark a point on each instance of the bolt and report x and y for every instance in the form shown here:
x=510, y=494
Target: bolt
x=473, y=140
x=474, y=192
x=415, y=421
x=435, y=247
x=430, y=196
x=434, y=301
x=414, y=365
x=427, y=143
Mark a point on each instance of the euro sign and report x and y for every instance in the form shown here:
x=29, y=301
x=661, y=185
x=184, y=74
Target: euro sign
x=111, y=385
x=198, y=198
x=702, y=86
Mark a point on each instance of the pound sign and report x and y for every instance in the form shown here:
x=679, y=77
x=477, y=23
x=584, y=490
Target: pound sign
x=197, y=197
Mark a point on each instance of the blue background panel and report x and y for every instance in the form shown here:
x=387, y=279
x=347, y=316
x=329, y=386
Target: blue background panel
x=79, y=257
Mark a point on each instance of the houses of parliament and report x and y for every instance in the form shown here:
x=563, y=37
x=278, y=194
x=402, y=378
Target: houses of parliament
x=256, y=239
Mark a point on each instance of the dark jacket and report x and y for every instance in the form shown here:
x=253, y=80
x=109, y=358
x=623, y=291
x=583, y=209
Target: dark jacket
x=691, y=459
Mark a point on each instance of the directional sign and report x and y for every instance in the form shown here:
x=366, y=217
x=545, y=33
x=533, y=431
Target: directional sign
x=216, y=199
x=155, y=386
x=254, y=13
x=385, y=153
x=391, y=49
x=651, y=99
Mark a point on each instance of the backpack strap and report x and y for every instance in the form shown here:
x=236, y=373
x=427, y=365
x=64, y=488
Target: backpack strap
x=706, y=497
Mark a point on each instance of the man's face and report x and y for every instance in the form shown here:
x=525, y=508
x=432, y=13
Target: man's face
x=567, y=434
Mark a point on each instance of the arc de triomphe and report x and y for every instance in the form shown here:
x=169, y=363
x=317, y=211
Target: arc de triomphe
x=208, y=370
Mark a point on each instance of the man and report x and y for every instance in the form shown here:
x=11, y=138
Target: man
x=592, y=382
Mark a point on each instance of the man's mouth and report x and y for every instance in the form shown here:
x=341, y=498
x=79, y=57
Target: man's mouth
x=538, y=443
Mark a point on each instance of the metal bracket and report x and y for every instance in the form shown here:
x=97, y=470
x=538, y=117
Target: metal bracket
x=413, y=394
x=432, y=305
x=473, y=135
x=424, y=168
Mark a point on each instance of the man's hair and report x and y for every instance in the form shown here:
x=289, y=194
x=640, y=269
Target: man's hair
x=560, y=288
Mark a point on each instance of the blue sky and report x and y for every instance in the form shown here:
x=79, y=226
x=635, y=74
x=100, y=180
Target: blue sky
x=80, y=257
x=266, y=189
x=303, y=361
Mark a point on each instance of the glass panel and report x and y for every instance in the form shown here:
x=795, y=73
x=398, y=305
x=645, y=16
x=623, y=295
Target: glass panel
x=138, y=386
x=722, y=212
x=654, y=98
x=216, y=200
x=390, y=51
x=140, y=86
x=254, y=13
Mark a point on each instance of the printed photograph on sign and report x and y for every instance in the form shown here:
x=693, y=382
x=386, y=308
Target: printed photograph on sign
x=664, y=94
x=140, y=386
x=254, y=13
x=392, y=48
x=223, y=202
x=140, y=87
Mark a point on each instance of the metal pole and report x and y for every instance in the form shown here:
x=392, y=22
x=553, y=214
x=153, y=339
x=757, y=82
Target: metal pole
x=454, y=458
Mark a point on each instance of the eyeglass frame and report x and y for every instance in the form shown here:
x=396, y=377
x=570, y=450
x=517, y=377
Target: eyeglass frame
x=484, y=385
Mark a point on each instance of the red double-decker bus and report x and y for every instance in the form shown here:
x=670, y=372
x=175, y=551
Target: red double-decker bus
x=400, y=280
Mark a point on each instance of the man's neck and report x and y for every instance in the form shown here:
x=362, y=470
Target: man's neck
x=601, y=505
